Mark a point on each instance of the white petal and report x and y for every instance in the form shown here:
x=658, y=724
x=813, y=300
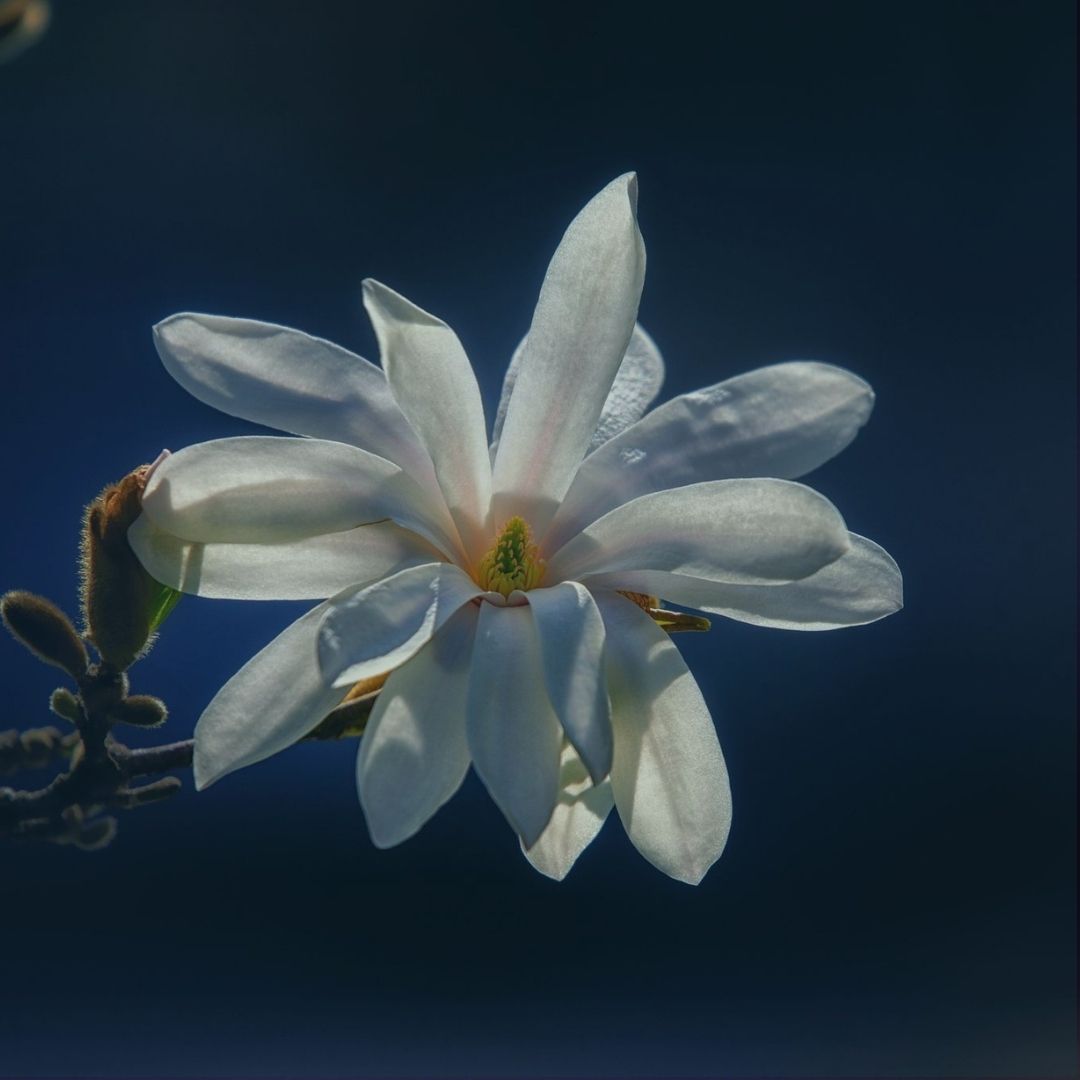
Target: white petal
x=266, y=489
x=414, y=754
x=780, y=421
x=378, y=627
x=312, y=568
x=436, y=389
x=571, y=634
x=862, y=586
x=668, y=776
x=578, y=816
x=637, y=382
x=274, y=700
x=740, y=531
x=579, y=333
x=287, y=380
x=514, y=735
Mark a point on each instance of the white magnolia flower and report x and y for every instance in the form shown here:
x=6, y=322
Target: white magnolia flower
x=490, y=582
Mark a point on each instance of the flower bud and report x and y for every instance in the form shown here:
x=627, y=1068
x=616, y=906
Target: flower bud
x=140, y=710
x=66, y=705
x=33, y=749
x=96, y=835
x=45, y=630
x=22, y=22
x=122, y=604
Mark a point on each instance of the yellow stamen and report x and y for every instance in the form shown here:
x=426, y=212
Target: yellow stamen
x=671, y=621
x=367, y=686
x=643, y=600
x=675, y=621
x=513, y=562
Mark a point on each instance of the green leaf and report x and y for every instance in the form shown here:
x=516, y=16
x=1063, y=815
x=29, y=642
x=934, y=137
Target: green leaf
x=161, y=605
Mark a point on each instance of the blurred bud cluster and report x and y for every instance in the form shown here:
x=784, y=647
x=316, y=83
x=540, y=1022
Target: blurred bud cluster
x=122, y=609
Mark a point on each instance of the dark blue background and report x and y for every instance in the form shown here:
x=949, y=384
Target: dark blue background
x=886, y=187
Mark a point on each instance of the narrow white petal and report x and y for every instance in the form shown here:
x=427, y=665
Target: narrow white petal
x=311, y=568
x=582, y=809
x=267, y=489
x=274, y=700
x=740, y=531
x=637, y=382
x=378, y=627
x=579, y=333
x=514, y=735
x=571, y=634
x=434, y=385
x=782, y=421
x=290, y=381
x=860, y=587
x=414, y=753
x=669, y=778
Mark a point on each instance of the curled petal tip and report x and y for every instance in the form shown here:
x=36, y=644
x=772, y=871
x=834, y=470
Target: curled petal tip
x=156, y=462
x=161, y=326
x=629, y=182
x=201, y=773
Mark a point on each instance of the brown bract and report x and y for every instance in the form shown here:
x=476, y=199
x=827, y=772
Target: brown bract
x=118, y=595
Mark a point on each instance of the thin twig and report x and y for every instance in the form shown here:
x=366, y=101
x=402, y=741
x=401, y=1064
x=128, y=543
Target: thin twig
x=64, y=810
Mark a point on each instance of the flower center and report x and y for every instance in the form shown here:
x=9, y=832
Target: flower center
x=512, y=561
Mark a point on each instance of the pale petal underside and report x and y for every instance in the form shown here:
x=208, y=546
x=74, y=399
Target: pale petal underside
x=860, y=587
x=267, y=489
x=311, y=568
x=291, y=381
x=514, y=735
x=669, y=777
x=571, y=635
x=275, y=699
x=579, y=814
x=377, y=628
x=743, y=532
x=414, y=754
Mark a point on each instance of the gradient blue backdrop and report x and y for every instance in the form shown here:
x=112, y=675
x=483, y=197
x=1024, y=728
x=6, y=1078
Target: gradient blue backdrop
x=885, y=187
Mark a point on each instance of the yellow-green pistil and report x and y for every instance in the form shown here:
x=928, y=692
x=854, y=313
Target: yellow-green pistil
x=512, y=562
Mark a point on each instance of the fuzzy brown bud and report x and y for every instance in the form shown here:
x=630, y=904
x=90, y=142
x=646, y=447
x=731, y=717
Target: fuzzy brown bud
x=95, y=836
x=66, y=705
x=140, y=710
x=122, y=604
x=34, y=749
x=45, y=630
x=22, y=22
